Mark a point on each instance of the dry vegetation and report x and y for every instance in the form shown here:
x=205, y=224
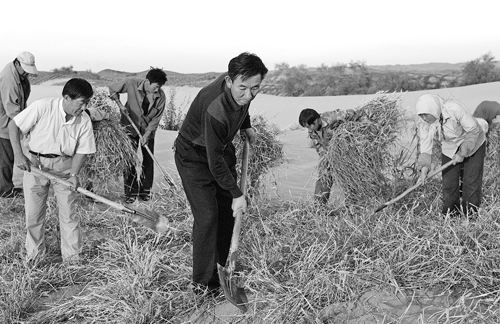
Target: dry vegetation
x=302, y=263
x=114, y=150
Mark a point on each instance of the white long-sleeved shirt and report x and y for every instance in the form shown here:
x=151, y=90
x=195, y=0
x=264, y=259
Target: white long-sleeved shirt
x=458, y=130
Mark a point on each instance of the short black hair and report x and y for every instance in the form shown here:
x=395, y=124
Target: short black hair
x=308, y=116
x=78, y=88
x=156, y=75
x=247, y=65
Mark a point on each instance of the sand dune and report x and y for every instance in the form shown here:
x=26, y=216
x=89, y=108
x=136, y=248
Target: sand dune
x=296, y=178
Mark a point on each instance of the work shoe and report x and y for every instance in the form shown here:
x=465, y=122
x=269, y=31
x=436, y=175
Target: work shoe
x=129, y=200
x=202, y=290
x=145, y=197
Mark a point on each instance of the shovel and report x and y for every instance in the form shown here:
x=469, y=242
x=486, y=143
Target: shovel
x=153, y=221
x=233, y=290
x=166, y=176
x=418, y=184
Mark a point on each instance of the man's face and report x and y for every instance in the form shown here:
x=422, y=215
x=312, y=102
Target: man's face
x=244, y=91
x=315, y=126
x=20, y=70
x=75, y=107
x=152, y=87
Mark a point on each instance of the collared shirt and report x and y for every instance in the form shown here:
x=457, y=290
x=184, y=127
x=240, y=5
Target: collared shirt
x=457, y=129
x=212, y=121
x=50, y=133
x=134, y=88
x=14, y=93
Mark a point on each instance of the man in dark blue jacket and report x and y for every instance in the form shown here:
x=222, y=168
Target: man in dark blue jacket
x=206, y=161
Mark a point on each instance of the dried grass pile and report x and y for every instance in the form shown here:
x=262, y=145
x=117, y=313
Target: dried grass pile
x=114, y=150
x=491, y=174
x=267, y=152
x=361, y=157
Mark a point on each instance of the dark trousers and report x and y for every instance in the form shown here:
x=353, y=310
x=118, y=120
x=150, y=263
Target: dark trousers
x=6, y=166
x=211, y=208
x=132, y=187
x=470, y=171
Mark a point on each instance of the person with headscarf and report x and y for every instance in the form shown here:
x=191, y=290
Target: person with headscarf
x=462, y=140
x=487, y=110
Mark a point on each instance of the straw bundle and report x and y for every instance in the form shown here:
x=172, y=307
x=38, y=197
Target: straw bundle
x=267, y=152
x=492, y=161
x=114, y=150
x=360, y=156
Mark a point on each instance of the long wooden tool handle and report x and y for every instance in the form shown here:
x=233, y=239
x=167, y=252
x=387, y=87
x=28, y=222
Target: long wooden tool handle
x=83, y=191
x=235, y=239
x=165, y=174
x=418, y=184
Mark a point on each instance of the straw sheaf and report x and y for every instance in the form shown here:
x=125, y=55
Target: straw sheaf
x=491, y=178
x=114, y=150
x=266, y=153
x=360, y=156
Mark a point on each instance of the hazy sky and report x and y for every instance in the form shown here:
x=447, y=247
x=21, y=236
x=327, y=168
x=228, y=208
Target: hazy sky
x=202, y=36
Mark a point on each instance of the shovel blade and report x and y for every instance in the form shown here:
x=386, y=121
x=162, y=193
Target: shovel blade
x=233, y=291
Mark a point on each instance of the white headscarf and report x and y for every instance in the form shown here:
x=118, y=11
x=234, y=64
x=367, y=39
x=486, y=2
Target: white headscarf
x=429, y=104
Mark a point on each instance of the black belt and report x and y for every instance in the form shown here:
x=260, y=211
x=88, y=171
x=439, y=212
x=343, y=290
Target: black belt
x=50, y=156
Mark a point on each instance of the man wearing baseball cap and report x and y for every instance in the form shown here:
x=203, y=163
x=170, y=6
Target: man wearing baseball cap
x=15, y=89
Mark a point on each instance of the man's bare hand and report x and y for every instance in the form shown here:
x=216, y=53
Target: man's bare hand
x=423, y=175
x=22, y=162
x=75, y=182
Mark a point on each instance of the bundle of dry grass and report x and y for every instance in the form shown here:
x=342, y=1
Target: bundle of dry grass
x=361, y=155
x=492, y=161
x=114, y=150
x=267, y=152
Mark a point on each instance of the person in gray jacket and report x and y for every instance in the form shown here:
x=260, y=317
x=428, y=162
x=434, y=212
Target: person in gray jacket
x=15, y=89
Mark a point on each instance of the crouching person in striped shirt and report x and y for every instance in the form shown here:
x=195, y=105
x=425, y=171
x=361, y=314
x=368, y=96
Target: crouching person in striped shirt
x=58, y=138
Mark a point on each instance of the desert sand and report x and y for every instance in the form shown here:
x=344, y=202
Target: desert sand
x=296, y=179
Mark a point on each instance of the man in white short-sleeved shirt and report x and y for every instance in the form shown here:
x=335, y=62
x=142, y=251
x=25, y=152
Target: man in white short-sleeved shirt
x=59, y=137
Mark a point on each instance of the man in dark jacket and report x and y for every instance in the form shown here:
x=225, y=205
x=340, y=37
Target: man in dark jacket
x=206, y=161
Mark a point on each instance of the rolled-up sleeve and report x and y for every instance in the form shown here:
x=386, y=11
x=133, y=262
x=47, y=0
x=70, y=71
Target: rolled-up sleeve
x=116, y=88
x=86, y=141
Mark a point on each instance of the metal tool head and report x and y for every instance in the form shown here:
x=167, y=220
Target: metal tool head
x=233, y=288
x=152, y=220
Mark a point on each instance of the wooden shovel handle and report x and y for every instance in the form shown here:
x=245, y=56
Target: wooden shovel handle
x=166, y=176
x=235, y=238
x=418, y=184
x=81, y=190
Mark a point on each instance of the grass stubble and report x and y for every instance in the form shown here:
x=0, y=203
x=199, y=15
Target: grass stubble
x=302, y=263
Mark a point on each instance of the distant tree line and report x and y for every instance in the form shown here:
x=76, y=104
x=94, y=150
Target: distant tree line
x=357, y=78
x=64, y=70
